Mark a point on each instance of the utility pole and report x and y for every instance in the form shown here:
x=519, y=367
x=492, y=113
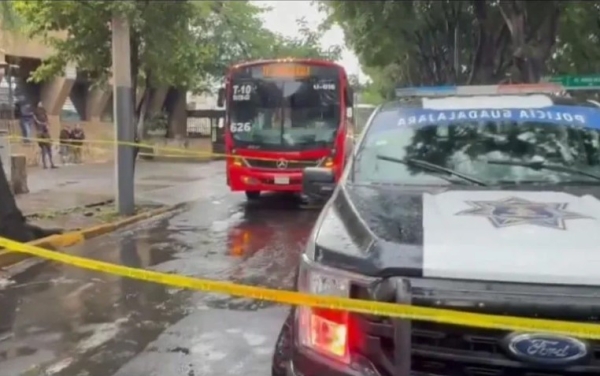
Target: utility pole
x=123, y=115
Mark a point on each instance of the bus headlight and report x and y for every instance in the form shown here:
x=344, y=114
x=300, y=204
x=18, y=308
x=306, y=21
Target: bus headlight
x=326, y=162
x=240, y=162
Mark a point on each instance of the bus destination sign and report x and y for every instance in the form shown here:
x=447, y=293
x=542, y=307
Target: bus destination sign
x=286, y=71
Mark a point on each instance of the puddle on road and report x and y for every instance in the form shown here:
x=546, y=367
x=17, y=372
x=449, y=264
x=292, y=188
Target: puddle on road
x=257, y=244
x=97, y=314
x=106, y=320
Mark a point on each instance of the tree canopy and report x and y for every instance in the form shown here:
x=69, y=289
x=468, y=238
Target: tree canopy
x=430, y=42
x=236, y=29
x=175, y=43
x=9, y=19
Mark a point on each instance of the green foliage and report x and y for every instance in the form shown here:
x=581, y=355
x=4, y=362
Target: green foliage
x=304, y=45
x=432, y=42
x=9, y=19
x=414, y=40
x=578, y=42
x=176, y=43
x=236, y=30
x=371, y=96
x=368, y=93
x=160, y=40
x=157, y=122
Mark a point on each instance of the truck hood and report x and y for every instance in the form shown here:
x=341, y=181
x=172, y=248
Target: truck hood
x=524, y=236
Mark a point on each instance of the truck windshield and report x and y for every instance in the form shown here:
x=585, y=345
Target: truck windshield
x=285, y=114
x=553, y=145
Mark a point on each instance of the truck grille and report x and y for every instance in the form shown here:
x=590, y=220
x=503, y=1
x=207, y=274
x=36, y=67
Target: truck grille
x=450, y=350
x=272, y=164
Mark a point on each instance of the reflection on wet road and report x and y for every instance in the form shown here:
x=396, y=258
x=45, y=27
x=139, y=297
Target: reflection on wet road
x=72, y=322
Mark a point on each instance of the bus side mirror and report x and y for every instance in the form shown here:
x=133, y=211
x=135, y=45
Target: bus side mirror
x=221, y=97
x=318, y=183
x=349, y=97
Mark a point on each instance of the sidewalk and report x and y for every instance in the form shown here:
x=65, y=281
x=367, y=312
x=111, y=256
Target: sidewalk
x=70, y=187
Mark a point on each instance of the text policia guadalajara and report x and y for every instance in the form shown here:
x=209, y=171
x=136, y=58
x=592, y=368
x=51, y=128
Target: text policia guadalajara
x=517, y=115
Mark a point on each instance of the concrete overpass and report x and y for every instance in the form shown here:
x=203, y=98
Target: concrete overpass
x=92, y=104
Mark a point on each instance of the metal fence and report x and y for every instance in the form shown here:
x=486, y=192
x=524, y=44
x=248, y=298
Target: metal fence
x=200, y=123
x=198, y=127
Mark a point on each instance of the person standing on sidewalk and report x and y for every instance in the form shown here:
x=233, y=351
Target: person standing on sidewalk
x=24, y=113
x=65, y=145
x=77, y=138
x=43, y=134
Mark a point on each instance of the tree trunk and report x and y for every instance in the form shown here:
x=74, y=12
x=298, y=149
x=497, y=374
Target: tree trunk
x=13, y=225
x=514, y=15
x=134, y=42
x=140, y=115
x=485, y=70
x=135, y=71
x=531, y=48
x=139, y=110
x=142, y=109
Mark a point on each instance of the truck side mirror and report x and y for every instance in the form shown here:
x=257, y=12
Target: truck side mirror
x=221, y=97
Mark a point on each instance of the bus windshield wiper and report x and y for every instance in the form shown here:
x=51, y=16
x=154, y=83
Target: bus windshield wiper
x=543, y=165
x=424, y=165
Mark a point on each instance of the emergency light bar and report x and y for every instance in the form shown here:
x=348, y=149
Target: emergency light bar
x=444, y=91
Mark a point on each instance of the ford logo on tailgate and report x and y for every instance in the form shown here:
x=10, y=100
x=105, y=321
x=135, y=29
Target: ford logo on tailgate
x=546, y=349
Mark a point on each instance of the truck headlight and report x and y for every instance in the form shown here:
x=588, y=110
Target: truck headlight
x=328, y=332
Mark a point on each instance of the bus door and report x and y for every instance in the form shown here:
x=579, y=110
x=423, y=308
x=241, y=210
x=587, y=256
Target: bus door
x=350, y=123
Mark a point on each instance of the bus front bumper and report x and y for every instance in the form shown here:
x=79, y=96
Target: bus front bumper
x=249, y=179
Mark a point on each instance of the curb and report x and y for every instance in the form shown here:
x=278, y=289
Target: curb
x=68, y=239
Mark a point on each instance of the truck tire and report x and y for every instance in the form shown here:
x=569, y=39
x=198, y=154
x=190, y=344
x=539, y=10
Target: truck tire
x=283, y=347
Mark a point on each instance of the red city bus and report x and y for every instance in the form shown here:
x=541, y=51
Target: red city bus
x=283, y=116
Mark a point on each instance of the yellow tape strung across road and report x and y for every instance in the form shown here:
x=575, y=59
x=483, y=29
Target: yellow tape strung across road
x=182, y=152
x=582, y=330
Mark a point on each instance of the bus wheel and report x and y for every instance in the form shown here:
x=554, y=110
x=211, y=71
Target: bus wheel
x=252, y=195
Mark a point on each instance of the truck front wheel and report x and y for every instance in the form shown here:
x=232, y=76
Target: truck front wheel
x=283, y=347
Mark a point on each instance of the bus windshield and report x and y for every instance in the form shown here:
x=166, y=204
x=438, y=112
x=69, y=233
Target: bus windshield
x=285, y=113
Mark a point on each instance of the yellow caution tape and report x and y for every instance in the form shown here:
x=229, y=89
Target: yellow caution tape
x=446, y=316
x=179, y=151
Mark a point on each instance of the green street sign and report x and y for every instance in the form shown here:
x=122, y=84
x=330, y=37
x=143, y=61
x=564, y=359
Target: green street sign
x=589, y=82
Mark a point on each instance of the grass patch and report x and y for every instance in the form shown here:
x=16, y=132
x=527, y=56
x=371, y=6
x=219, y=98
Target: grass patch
x=103, y=213
x=109, y=214
x=59, y=213
x=112, y=215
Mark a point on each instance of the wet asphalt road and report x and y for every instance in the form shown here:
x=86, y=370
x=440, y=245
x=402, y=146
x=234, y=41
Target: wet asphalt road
x=70, y=322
